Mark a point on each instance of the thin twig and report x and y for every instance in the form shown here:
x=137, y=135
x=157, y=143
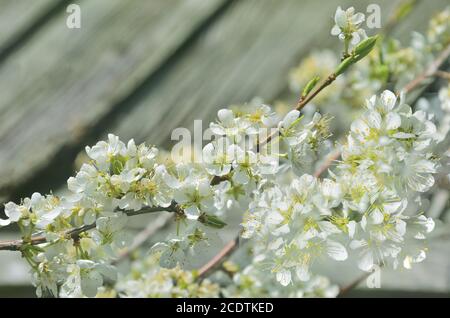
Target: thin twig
x=443, y=74
x=398, y=15
x=430, y=71
x=219, y=258
x=302, y=102
x=144, y=235
x=333, y=157
x=344, y=290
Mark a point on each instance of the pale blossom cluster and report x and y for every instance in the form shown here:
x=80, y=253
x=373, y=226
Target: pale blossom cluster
x=347, y=26
x=147, y=279
x=386, y=161
x=119, y=179
x=252, y=281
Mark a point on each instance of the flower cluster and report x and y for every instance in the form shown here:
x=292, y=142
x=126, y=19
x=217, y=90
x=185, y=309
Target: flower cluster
x=147, y=280
x=347, y=26
x=385, y=160
x=84, y=232
x=252, y=281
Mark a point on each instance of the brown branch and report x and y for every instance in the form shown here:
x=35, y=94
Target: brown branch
x=302, y=102
x=17, y=245
x=333, y=157
x=344, y=290
x=443, y=74
x=219, y=258
x=430, y=71
x=143, y=236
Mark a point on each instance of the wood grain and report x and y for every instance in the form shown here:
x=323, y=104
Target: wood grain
x=63, y=81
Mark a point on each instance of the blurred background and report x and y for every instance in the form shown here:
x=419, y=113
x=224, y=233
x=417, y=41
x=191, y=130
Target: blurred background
x=141, y=68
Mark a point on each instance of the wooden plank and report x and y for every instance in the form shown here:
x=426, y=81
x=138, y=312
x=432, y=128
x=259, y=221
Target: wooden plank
x=19, y=16
x=247, y=53
x=62, y=81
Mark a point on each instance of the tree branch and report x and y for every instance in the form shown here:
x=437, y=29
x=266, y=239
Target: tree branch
x=220, y=257
x=144, y=235
x=333, y=157
x=430, y=71
x=16, y=245
x=344, y=290
x=302, y=102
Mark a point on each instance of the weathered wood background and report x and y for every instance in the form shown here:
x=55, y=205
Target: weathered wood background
x=141, y=68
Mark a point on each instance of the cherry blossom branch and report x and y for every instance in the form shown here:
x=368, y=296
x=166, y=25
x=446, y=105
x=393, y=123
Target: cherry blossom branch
x=17, y=245
x=432, y=69
x=232, y=245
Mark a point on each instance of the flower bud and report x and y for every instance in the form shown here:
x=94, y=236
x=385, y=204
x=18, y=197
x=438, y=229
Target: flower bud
x=364, y=48
x=344, y=65
x=310, y=85
x=212, y=221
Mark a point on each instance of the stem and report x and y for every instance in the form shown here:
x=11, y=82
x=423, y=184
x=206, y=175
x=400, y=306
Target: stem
x=443, y=74
x=16, y=245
